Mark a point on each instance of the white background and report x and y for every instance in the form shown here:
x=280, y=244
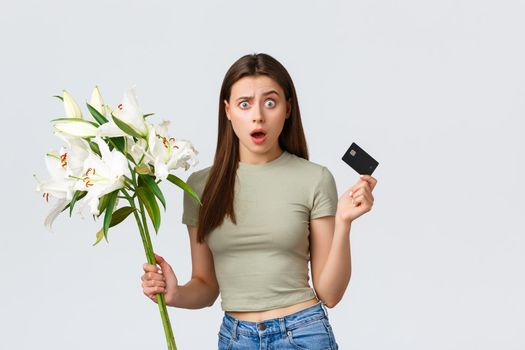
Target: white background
x=434, y=90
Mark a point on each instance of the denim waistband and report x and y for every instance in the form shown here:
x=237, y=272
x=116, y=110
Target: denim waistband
x=274, y=325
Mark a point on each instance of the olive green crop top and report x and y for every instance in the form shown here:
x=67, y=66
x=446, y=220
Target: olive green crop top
x=262, y=262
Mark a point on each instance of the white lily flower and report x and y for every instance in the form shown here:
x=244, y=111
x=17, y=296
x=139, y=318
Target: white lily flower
x=102, y=175
x=182, y=155
x=130, y=113
x=167, y=154
x=71, y=106
x=64, y=167
x=74, y=157
x=59, y=185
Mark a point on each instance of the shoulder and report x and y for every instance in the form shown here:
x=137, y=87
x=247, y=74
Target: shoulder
x=311, y=170
x=197, y=179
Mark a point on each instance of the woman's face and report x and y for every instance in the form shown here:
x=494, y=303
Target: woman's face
x=257, y=110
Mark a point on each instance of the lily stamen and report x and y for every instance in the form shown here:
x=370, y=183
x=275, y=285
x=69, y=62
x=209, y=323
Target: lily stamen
x=90, y=169
x=87, y=181
x=63, y=160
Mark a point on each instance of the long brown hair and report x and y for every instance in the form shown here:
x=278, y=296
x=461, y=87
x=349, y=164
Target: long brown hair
x=218, y=194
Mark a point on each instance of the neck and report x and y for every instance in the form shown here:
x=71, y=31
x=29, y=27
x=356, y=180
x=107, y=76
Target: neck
x=247, y=156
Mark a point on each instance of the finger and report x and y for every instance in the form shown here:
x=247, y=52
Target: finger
x=154, y=283
x=370, y=180
x=362, y=201
x=360, y=191
x=154, y=290
x=153, y=276
x=163, y=263
x=159, y=259
x=359, y=200
x=359, y=185
x=364, y=192
x=150, y=267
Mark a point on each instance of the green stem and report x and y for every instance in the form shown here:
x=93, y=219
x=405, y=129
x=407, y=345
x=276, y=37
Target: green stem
x=148, y=248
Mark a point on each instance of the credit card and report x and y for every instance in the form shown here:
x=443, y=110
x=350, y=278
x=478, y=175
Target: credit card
x=359, y=160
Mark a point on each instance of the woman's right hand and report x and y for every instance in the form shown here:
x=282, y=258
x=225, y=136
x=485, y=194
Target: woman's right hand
x=163, y=280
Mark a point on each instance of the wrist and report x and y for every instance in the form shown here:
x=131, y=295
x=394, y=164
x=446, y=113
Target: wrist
x=172, y=296
x=341, y=221
x=343, y=224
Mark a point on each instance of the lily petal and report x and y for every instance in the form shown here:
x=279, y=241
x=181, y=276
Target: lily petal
x=97, y=102
x=110, y=129
x=57, y=209
x=71, y=106
x=80, y=128
x=130, y=113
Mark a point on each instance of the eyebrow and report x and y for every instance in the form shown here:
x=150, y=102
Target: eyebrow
x=264, y=94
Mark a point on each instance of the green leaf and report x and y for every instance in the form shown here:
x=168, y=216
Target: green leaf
x=96, y=114
x=130, y=158
x=76, y=196
x=118, y=216
x=102, y=203
x=109, y=211
x=148, y=199
x=150, y=182
x=100, y=234
x=175, y=180
x=80, y=196
x=60, y=97
x=94, y=147
x=126, y=128
x=119, y=143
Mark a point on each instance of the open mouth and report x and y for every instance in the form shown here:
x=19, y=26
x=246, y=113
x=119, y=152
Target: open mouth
x=258, y=134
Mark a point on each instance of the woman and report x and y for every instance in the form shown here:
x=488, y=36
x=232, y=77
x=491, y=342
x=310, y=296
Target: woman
x=266, y=211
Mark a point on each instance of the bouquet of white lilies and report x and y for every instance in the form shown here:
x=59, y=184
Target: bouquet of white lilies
x=118, y=155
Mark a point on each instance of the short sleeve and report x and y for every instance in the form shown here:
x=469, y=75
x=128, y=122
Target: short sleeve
x=190, y=212
x=325, y=196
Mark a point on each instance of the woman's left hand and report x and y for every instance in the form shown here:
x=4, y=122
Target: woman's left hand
x=357, y=200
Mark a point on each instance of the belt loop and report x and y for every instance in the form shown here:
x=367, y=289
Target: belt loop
x=234, y=329
x=282, y=326
x=324, y=309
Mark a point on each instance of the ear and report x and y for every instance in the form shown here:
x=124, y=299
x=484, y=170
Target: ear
x=227, y=109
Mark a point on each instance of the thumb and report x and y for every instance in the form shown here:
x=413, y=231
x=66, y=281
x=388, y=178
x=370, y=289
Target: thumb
x=163, y=263
x=159, y=259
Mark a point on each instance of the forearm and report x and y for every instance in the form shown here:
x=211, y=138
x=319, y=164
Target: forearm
x=337, y=270
x=194, y=295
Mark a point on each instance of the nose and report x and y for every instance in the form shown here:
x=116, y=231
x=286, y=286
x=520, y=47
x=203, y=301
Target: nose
x=257, y=115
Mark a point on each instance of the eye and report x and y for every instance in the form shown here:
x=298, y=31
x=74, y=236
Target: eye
x=272, y=103
x=241, y=104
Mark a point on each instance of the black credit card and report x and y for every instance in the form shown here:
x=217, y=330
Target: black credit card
x=359, y=160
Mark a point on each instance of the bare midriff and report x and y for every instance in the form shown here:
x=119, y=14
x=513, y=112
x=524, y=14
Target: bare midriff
x=258, y=316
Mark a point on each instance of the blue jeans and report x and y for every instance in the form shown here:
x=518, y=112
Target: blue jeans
x=305, y=329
